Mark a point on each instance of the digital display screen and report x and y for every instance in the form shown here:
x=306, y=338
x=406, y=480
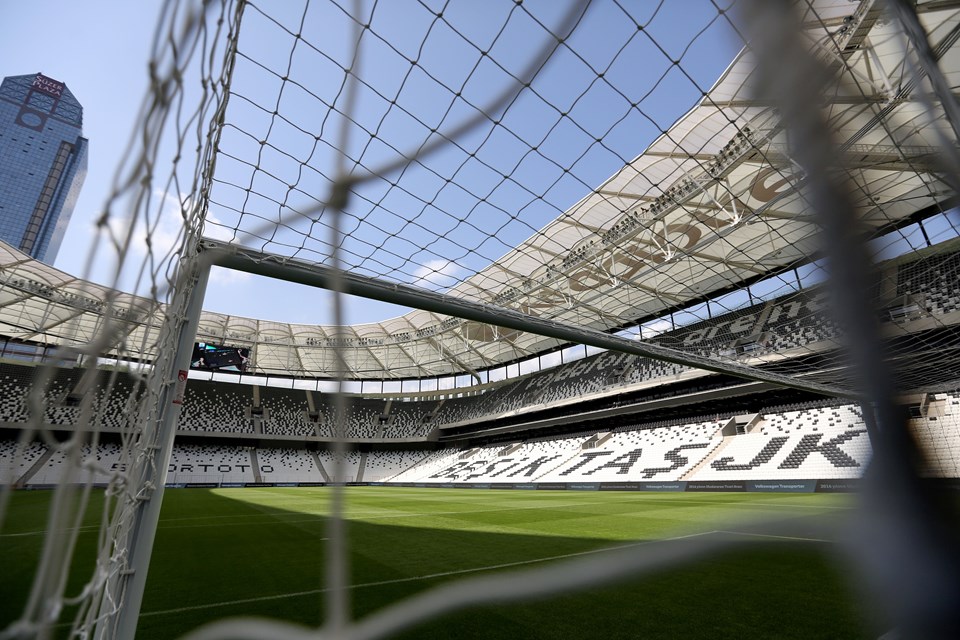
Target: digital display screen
x=211, y=357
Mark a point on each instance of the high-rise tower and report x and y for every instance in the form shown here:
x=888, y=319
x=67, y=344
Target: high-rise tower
x=43, y=161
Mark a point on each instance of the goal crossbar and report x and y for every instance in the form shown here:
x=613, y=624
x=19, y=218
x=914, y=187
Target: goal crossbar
x=280, y=267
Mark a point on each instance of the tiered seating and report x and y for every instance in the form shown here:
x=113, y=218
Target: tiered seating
x=61, y=398
x=14, y=385
x=792, y=322
x=288, y=465
x=363, y=418
x=497, y=400
x=14, y=461
x=96, y=464
x=822, y=441
x=810, y=444
x=804, y=331
x=118, y=407
x=530, y=461
x=286, y=412
x=574, y=380
x=203, y=463
x=936, y=278
x=646, y=369
x=55, y=410
x=350, y=469
x=209, y=406
x=642, y=454
x=481, y=465
x=797, y=320
x=406, y=421
x=432, y=463
x=384, y=465
x=712, y=335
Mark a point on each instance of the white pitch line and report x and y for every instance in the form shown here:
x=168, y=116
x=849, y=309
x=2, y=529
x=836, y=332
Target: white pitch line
x=771, y=535
x=430, y=576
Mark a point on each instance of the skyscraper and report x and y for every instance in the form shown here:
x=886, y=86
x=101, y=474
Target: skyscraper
x=43, y=161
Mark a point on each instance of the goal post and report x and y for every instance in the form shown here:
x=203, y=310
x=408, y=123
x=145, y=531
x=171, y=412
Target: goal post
x=140, y=512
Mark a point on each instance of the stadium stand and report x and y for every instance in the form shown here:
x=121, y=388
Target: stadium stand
x=406, y=420
x=455, y=464
x=363, y=417
x=16, y=461
x=287, y=465
x=61, y=406
x=208, y=406
x=210, y=464
x=713, y=335
x=285, y=412
x=431, y=463
x=935, y=279
x=116, y=400
x=384, y=465
x=350, y=469
x=814, y=441
x=627, y=455
x=13, y=407
x=659, y=454
x=97, y=465
x=788, y=322
x=520, y=462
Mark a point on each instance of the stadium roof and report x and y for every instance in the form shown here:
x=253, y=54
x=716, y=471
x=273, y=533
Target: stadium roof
x=712, y=202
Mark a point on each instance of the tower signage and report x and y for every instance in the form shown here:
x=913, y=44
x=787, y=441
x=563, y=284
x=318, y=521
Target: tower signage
x=48, y=85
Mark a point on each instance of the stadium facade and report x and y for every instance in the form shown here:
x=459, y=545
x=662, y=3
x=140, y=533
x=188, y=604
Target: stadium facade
x=43, y=162
x=703, y=249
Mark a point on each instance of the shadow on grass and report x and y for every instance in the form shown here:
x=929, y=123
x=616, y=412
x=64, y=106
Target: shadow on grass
x=218, y=556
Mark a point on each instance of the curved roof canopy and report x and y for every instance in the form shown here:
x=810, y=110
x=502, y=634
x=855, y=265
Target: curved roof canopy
x=710, y=203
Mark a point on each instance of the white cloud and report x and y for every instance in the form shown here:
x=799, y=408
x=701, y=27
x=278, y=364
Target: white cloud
x=156, y=234
x=161, y=233
x=227, y=277
x=437, y=274
x=215, y=229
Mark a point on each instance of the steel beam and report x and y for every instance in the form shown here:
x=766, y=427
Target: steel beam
x=292, y=270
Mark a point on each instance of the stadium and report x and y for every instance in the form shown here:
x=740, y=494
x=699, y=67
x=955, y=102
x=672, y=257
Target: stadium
x=677, y=352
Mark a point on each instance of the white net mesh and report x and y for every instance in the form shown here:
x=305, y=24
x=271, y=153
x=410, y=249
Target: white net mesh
x=525, y=156
x=123, y=341
x=542, y=204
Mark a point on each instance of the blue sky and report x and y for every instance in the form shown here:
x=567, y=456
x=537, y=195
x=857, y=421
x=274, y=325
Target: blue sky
x=100, y=50
x=429, y=230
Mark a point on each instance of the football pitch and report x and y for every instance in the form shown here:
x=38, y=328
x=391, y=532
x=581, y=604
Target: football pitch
x=260, y=552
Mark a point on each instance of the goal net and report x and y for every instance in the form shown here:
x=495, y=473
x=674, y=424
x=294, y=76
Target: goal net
x=761, y=190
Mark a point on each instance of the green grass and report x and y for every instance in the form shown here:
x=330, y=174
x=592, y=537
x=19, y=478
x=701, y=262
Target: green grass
x=223, y=552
